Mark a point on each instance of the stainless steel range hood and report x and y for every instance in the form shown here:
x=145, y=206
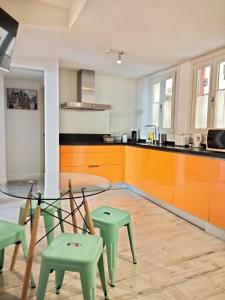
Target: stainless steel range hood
x=85, y=93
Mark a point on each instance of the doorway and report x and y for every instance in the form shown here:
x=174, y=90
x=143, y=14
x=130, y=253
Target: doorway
x=24, y=123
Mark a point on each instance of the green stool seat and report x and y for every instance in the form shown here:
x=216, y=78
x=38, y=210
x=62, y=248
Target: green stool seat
x=109, y=220
x=48, y=219
x=76, y=253
x=11, y=233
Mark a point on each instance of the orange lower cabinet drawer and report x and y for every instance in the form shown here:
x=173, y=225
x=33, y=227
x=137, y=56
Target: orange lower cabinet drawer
x=90, y=158
x=96, y=148
x=113, y=172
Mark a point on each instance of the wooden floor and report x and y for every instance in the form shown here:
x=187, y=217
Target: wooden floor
x=176, y=260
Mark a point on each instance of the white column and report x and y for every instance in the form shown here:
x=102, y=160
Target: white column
x=52, y=118
x=2, y=132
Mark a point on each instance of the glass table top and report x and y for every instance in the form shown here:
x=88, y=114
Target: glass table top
x=54, y=186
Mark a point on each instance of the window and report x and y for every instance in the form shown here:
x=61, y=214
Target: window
x=209, y=95
x=162, y=101
x=219, y=120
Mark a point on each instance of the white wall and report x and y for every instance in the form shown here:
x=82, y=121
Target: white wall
x=121, y=93
x=24, y=135
x=2, y=132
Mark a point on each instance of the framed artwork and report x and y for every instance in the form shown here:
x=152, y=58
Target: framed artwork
x=22, y=99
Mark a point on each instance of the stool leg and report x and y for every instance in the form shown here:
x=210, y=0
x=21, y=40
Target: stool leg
x=88, y=282
x=43, y=281
x=130, y=234
x=102, y=276
x=59, y=212
x=2, y=254
x=25, y=253
x=20, y=215
x=59, y=275
x=85, y=229
x=49, y=224
x=111, y=241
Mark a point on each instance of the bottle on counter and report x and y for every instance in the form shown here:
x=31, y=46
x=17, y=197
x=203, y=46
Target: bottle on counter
x=124, y=138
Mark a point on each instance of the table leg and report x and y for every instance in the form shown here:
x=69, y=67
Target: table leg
x=31, y=249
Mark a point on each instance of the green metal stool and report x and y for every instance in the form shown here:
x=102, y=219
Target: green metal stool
x=11, y=233
x=48, y=219
x=76, y=253
x=109, y=220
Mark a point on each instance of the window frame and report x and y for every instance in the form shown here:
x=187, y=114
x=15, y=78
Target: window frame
x=196, y=67
x=161, y=78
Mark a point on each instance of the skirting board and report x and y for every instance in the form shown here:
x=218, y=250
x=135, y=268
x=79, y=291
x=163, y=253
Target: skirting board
x=211, y=229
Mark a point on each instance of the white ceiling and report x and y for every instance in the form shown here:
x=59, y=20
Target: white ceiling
x=25, y=74
x=66, y=4
x=155, y=34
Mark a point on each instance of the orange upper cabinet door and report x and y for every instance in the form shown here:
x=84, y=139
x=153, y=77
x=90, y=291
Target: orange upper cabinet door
x=217, y=197
x=135, y=164
x=193, y=184
x=160, y=175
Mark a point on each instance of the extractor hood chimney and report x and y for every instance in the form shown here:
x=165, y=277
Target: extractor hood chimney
x=85, y=93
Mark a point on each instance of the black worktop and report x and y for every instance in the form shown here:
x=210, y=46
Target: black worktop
x=97, y=140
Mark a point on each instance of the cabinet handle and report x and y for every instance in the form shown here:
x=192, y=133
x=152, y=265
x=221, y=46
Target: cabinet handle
x=93, y=166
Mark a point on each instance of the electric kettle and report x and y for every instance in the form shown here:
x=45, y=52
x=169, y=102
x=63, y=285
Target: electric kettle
x=197, y=139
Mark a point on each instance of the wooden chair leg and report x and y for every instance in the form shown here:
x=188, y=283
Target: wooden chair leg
x=22, y=221
x=31, y=252
x=88, y=216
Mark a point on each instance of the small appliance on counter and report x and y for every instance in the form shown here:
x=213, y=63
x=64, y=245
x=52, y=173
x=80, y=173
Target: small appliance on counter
x=117, y=137
x=134, y=135
x=216, y=140
x=197, y=139
x=181, y=139
x=108, y=138
x=162, y=138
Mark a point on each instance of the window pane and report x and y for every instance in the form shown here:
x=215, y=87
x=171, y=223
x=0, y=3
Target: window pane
x=155, y=114
x=219, y=120
x=221, y=75
x=201, y=112
x=203, y=81
x=167, y=105
x=156, y=92
x=167, y=108
x=169, y=87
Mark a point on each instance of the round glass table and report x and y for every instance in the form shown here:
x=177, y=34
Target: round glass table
x=55, y=186
x=43, y=196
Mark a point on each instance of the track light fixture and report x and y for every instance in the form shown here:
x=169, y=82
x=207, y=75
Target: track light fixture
x=119, y=55
x=119, y=59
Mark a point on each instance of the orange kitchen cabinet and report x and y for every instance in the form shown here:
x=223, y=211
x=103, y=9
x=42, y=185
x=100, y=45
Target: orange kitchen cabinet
x=193, y=184
x=111, y=172
x=91, y=158
x=160, y=175
x=105, y=160
x=217, y=196
x=135, y=165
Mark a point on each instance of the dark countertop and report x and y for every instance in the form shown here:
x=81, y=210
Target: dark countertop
x=93, y=141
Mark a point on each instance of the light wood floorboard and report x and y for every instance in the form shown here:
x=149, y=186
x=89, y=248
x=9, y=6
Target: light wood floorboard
x=176, y=260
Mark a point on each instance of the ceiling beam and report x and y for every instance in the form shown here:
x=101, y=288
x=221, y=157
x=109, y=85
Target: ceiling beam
x=75, y=11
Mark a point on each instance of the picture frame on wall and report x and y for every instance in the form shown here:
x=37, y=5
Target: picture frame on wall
x=26, y=99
